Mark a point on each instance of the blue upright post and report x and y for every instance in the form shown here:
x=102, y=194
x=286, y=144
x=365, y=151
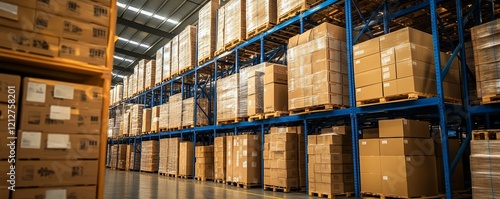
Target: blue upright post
x=440, y=97
x=262, y=50
x=262, y=131
x=306, y=132
x=196, y=96
x=237, y=61
x=194, y=152
x=386, y=18
x=301, y=23
x=214, y=97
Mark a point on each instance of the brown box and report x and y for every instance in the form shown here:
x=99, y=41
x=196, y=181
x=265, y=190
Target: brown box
x=77, y=192
x=406, y=146
x=389, y=72
x=329, y=30
x=405, y=35
x=368, y=78
x=366, y=48
x=146, y=120
x=274, y=99
x=83, y=52
x=369, y=147
x=338, y=149
x=229, y=158
x=336, y=158
x=388, y=57
x=49, y=24
x=371, y=182
x=56, y=173
x=4, y=193
x=28, y=3
x=369, y=92
x=333, y=139
x=57, y=146
x=415, y=68
x=370, y=133
x=390, y=88
x=367, y=63
x=335, y=187
x=84, y=10
x=409, y=176
x=275, y=73
x=6, y=81
x=87, y=32
x=29, y=42
x=416, y=84
x=370, y=164
x=411, y=51
x=15, y=15
x=186, y=158
x=333, y=168
x=404, y=128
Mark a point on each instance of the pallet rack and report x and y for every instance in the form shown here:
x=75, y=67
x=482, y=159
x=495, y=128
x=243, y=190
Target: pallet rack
x=271, y=45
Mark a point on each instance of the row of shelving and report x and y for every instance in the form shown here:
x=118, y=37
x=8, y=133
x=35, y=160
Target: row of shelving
x=432, y=108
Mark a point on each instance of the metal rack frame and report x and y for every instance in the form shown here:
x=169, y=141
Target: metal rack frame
x=354, y=115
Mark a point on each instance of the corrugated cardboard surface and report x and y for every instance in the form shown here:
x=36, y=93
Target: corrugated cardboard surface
x=56, y=173
x=79, y=192
x=406, y=146
x=404, y=128
x=57, y=146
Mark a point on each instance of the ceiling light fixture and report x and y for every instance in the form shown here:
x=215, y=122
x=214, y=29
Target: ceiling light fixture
x=133, y=42
x=122, y=59
x=116, y=75
x=149, y=14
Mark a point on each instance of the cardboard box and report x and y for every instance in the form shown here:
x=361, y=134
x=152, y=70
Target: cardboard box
x=415, y=68
x=4, y=193
x=17, y=16
x=85, y=11
x=329, y=30
x=6, y=81
x=328, y=65
x=56, y=173
x=390, y=88
x=29, y=42
x=275, y=97
x=334, y=178
x=275, y=73
x=404, y=128
x=370, y=164
x=405, y=175
x=28, y=3
x=405, y=35
x=83, y=52
x=406, y=146
x=79, y=192
x=367, y=63
x=335, y=187
x=369, y=147
x=336, y=158
x=412, y=51
x=369, y=92
x=337, y=149
x=389, y=72
x=4, y=149
x=366, y=48
x=84, y=31
x=368, y=78
x=57, y=146
x=333, y=139
x=186, y=158
x=370, y=133
x=371, y=183
x=388, y=57
x=146, y=120
x=48, y=24
x=416, y=84
x=325, y=54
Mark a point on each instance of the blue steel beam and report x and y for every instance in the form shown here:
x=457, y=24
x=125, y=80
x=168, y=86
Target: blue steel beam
x=362, y=17
x=366, y=26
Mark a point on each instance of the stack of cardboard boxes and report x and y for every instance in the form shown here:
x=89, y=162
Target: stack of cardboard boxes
x=330, y=161
x=187, y=48
x=207, y=17
x=125, y=87
x=401, y=162
x=164, y=119
x=173, y=156
x=155, y=119
x=235, y=23
x=275, y=89
x=220, y=159
x=141, y=75
x=175, y=106
x=204, y=167
x=149, y=156
x=247, y=159
x=167, y=61
x=317, y=68
x=232, y=93
x=188, y=106
x=126, y=124
x=485, y=166
x=401, y=63
x=174, y=57
x=146, y=121
x=259, y=14
x=256, y=89
x=158, y=78
x=133, y=160
x=53, y=24
x=136, y=119
x=149, y=81
x=287, y=7
x=132, y=85
x=231, y=143
x=486, y=47
x=219, y=46
x=186, y=152
x=163, y=156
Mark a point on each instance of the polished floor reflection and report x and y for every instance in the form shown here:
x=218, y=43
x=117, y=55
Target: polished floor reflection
x=135, y=185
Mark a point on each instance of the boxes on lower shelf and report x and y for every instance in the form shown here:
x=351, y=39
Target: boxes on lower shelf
x=204, y=167
x=220, y=158
x=163, y=156
x=484, y=161
x=149, y=156
x=173, y=156
x=186, y=158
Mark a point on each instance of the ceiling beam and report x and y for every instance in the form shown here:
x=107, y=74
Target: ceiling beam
x=144, y=28
x=132, y=54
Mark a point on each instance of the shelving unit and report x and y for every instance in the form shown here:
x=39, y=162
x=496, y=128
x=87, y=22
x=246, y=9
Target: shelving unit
x=386, y=16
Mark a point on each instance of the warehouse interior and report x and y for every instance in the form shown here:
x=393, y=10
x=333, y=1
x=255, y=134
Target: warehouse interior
x=249, y=99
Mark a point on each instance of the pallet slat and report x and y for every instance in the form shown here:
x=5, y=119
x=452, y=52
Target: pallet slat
x=317, y=108
x=490, y=134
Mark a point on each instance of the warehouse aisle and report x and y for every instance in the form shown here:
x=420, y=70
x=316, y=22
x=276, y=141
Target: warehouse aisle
x=135, y=185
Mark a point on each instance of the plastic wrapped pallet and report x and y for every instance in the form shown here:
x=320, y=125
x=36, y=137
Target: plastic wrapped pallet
x=111, y=123
x=167, y=60
x=485, y=169
x=114, y=157
x=119, y=93
x=173, y=156
x=232, y=96
x=220, y=158
x=133, y=158
x=163, y=155
x=111, y=96
x=125, y=87
x=206, y=30
x=131, y=84
x=174, y=57
x=146, y=121
x=188, y=112
x=175, y=106
x=141, y=75
x=164, y=110
x=234, y=29
x=149, y=156
x=204, y=166
x=255, y=88
x=260, y=14
x=220, y=28
x=150, y=75
x=135, y=77
x=122, y=155
x=290, y=7
x=155, y=119
x=136, y=119
x=158, y=78
x=187, y=48
x=126, y=124
x=186, y=158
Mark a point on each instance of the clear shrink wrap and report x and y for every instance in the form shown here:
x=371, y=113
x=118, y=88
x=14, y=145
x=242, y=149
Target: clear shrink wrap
x=235, y=28
x=163, y=155
x=173, y=156
x=167, y=60
x=146, y=121
x=255, y=89
x=149, y=156
x=134, y=78
x=188, y=112
x=126, y=124
x=158, y=78
x=174, y=57
x=232, y=96
x=136, y=119
x=149, y=81
x=260, y=13
x=187, y=48
x=155, y=119
x=164, y=110
x=485, y=168
x=207, y=17
x=287, y=7
x=220, y=28
x=125, y=87
x=141, y=76
x=111, y=96
x=131, y=84
x=175, y=106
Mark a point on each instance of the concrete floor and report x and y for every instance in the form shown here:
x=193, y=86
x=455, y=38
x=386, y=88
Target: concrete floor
x=135, y=185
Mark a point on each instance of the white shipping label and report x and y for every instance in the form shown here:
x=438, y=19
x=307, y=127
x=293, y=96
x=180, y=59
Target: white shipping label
x=385, y=178
x=64, y=91
x=385, y=69
x=384, y=141
x=382, y=38
x=56, y=194
x=58, y=141
x=244, y=153
x=386, y=60
x=244, y=164
x=387, y=84
x=245, y=142
x=254, y=153
x=358, y=90
x=60, y=113
x=405, y=122
x=36, y=92
x=31, y=140
x=386, y=75
x=405, y=141
x=254, y=164
x=11, y=9
x=408, y=159
x=363, y=143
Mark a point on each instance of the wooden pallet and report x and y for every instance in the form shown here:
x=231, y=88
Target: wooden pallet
x=279, y=189
x=148, y=171
x=152, y=132
x=185, y=176
x=489, y=134
x=176, y=128
x=292, y=13
x=392, y=99
x=162, y=174
x=230, y=45
x=172, y=175
x=218, y=52
x=186, y=69
x=231, y=183
x=491, y=99
x=256, y=117
x=203, y=179
x=275, y=114
x=174, y=75
x=220, y=181
x=260, y=29
x=204, y=59
x=382, y=196
x=330, y=195
x=188, y=126
x=247, y=185
x=316, y=108
x=231, y=121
